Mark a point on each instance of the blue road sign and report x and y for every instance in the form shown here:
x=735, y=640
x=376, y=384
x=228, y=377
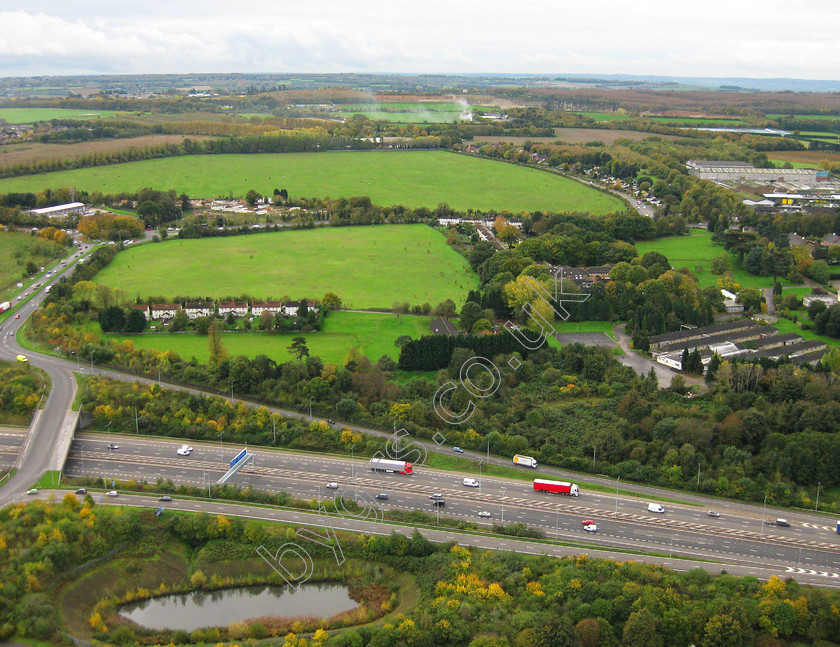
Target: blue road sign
x=159, y=512
x=238, y=457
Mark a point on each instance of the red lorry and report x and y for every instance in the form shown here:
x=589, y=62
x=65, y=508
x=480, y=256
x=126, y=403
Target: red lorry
x=556, y=487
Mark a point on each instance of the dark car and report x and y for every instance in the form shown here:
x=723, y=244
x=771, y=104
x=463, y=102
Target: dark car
x=165, y=497
x=81, y=490
x=331, y=421
x=382, y=496
x=439, y=502
x=113, y=446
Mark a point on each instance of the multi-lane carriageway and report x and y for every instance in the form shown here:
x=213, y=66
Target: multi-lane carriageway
x=738, y=536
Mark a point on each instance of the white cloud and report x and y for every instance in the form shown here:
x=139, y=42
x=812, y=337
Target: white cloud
x=765, y=38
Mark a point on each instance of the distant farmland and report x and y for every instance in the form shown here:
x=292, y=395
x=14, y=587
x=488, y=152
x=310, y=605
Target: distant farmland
x=410, y=178
x=31, y=115
x=368, y=267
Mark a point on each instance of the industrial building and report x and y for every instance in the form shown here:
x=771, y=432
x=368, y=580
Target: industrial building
x=60, y=210
x=721, y=171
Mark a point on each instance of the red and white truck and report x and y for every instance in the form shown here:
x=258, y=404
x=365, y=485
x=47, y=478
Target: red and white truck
x=5, y=306
x=556, y=487
x=385, y=465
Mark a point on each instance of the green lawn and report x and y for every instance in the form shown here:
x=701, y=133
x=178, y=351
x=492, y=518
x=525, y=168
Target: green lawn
x=411, y=178
x=372, y=333
x=586, y=326
x=604, y=116
x=781, y=163
x=777, y=115
x=698, y=249
x=31, y=115
x=691, y=121
x=786, y=325
x=367, y=267
x=16, y=249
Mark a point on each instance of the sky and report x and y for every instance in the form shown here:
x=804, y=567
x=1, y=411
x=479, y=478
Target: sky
x=732, y=38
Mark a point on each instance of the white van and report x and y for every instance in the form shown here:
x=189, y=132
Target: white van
x=471, y=482
x=655, y=507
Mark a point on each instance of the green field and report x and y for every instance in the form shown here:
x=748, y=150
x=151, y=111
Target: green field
x=786, y=326
x=31, y=115
x=411, y=178
x=781, y=163
x=368, y=267
x=692, y=121
x=604, y=116
x=698, y=249
x=16, y=249
x=777, y=115
x=372, y=333
x=407, y=113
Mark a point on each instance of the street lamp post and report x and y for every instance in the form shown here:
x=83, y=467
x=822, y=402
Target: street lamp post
x=763, y=510
x=504, y=489
x=274, y=429
x=593, y=459
x=617, y=479
x=310, y=409
x=817, y=505
x=221, y=447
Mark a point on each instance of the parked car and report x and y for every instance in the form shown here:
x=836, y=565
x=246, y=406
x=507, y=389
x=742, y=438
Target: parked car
x=81, y=490
x=712, y=513
x=484, y=514
x=112, y=493
x=382, y=496
x=457, y=450
x=332, y=486
x=591, y=527
x=165, y=497
x=32, y=491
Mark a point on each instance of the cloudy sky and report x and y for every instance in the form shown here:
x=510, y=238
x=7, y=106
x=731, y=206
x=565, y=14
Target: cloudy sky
x=746, y=38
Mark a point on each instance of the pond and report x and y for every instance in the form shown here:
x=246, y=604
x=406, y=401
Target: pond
x=189, y=611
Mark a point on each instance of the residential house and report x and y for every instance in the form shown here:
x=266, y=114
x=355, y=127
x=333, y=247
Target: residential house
x=258, y=307
x=142, y=307
x=236, y=308
x=163, y=311
x=197, y=309
x=290, y=308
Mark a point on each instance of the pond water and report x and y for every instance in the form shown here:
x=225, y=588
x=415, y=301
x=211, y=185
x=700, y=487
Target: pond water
x=189, y=611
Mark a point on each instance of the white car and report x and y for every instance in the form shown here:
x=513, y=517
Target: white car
x=111, y=493
x=332, y=486
x=484, y=514
x=187, y=447
x=591, y=527
x=182, y=451
x=32, y=491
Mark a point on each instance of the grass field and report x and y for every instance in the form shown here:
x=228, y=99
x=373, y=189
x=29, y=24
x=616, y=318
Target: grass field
x=368, y=267
x=35, y=152
x=16, y=249
x=372, y=333
x=31, y=115
x=777, y=115
x=431, y=112
x=581, y=135
x=604, y=116
x=780, y=163
x=698, y=249
x=812, y=158
x=786, y=326
x=411, y=178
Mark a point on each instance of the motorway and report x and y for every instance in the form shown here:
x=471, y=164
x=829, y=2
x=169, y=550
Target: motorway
x=809, y=549
x=736, y=537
